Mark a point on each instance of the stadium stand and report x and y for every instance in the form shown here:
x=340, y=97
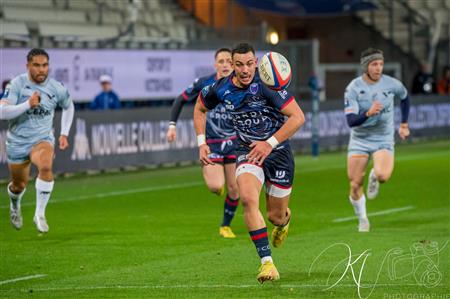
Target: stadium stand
x=95, y=24
x=410, y=24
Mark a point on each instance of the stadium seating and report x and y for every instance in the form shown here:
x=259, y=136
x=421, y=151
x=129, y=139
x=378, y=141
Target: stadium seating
x=14, y=30
x=53, y=23
x=27, y=3
x=424, y=17
x=26, y=14
x=69, y=31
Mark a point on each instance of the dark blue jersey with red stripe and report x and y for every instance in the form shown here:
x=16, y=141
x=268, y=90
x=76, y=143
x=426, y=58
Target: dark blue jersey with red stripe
x=219, y=125
x=255, y=110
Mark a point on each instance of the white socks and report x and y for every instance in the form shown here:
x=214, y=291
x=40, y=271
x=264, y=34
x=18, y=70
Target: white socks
x=15, y=198
x=266, y=258
x=43, y=191
x=359, y=206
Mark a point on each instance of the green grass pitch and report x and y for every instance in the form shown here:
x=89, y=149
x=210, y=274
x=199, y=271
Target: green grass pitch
x=155, y=234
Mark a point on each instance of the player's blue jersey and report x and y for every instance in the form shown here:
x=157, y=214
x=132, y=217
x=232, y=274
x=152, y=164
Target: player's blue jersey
x=255, y=110
x=37, y=123
x=219, y=125
x=359, y=97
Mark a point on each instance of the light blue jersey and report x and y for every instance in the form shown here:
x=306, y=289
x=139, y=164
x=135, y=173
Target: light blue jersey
x=377, y=132
x=35, y=124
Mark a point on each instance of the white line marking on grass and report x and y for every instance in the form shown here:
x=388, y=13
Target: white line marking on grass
x=385, y=212
x=22, y=278
x=118, y=193
x=203, y=286
x=198, y=183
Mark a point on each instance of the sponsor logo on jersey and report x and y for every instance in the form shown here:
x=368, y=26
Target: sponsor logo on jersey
x=229, y=105
x=39, y=111
x=256, y=102
x=253, y=88
x=205, y=91
x=283, y=94
x=226, y=92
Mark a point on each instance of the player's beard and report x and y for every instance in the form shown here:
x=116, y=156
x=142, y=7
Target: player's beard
x=373, y=77
x=39, y=78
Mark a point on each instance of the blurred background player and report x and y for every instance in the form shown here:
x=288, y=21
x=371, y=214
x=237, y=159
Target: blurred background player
x=4, y=84
x=424, y=81
x=264, y=120
x=444, y=82
x=29, y=103
x=220, y=135
x=369, y=108
x=107, y=98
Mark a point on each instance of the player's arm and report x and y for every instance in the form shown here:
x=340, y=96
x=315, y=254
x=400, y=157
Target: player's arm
x=200, y=129
x=68, y=110
x=189, y=94
x=66, y=123
x=174, y=115
x=11, y=111
x=356, y=117
x=402, y=93
x=295, y=119
x=207, y=99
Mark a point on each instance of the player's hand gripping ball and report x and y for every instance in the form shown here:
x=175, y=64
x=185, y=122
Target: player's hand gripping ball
x=275, y=71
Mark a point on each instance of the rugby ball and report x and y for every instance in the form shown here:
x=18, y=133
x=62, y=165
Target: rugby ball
x=274, y=70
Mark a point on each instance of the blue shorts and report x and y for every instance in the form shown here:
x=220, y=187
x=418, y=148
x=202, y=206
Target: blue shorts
x=222, y=151
x=367, y=148
x=19, y=152
x=277, y=171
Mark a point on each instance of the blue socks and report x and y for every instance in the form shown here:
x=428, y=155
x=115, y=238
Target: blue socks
x=229, y=210
x=261, y=240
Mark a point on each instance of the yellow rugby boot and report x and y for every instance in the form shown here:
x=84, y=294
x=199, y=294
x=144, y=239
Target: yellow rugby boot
x=268, y=271
x=226, y=232
x=221, y=191
x=279, y=234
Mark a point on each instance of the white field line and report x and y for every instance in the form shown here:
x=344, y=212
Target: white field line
x=118, y=193
x=384, y=212
x=124, y=192
x=22, y=278
x=343, y=165
x=198, y=183
x=203, y=286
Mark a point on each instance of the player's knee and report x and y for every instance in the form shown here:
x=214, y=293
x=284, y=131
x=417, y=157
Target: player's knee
x=248, y=199
x=233, y=190
x=355, y=185
x=45, y=173
x=45, y=169
x=383, y=177
x=276, y=217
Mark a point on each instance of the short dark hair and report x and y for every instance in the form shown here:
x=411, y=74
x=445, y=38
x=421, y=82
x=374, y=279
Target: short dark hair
x=36, y=52
x=4, y=83
x=221, y=50
x=370, y=51
x=242, y=48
